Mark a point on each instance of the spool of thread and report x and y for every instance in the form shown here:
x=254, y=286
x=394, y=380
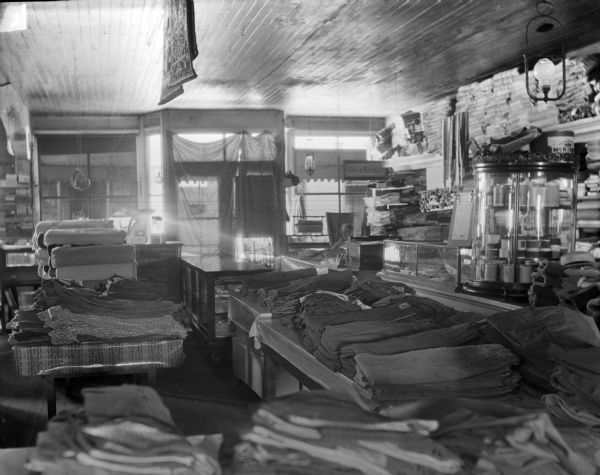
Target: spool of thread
x=533, y=248
x=498, y=195
x=555, y=248
x=525, y=271
x=545, y=251
x=490, y=271
x=508, y=273
x=504, y=248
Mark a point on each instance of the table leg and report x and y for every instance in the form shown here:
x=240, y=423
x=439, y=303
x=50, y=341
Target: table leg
x=268, y=377
x=51, y=397
x=152, y=377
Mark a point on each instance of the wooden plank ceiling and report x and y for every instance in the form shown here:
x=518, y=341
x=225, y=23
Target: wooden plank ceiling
x=311, y=57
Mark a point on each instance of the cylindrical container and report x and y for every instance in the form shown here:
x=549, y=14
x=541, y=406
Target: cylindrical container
x=492, y=251
x=521, y=247
x=490, y=271
x=508, y=273
x=498, y=196
x=525, y=271
x=533, y=248
x=545, y=251
x=552, y=195
x=555, y=248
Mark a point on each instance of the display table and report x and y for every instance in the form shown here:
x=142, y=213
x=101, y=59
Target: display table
x=71, y=361
x=282, y=347
x=202, y=278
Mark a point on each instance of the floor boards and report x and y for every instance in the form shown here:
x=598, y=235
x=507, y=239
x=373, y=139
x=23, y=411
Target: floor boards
x=203, y=397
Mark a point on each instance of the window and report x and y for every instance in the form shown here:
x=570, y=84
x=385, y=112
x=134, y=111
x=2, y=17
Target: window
x=87, y=176
x=325, y=193
x=155, y=170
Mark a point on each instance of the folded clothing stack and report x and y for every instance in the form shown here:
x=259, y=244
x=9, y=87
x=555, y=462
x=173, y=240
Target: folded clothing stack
x=27, y=329
x=371, y=291
x=478, y=371
x=410, y=306
x=539, y=336
x=120, y=429
x=94, y=262
x=284, y=301
x=328, y=432
x=42, y=227
x=577, y=380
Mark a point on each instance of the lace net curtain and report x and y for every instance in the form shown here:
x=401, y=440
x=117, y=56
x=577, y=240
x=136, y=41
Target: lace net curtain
x=227, y=188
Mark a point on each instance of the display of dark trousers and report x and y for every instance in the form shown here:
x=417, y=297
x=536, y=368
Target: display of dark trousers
x=407, y=307
x=370, y=291
x=540, y=335
x=334, y=338
x=442, y=337
x=484, y=370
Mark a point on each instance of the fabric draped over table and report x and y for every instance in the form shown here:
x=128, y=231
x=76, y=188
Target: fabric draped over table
x=240, y=186
x=455, y=138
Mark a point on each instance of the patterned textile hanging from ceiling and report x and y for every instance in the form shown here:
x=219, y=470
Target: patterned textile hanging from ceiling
x=179, y=50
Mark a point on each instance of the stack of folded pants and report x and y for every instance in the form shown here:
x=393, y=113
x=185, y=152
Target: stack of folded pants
x=478, y=371
x=455, y=335
x=540, y=335
x=407, y=307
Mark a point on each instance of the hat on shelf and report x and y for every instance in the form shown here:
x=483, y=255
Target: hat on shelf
x=577, y=258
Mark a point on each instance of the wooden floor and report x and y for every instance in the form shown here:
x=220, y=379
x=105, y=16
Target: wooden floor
x=203, y=397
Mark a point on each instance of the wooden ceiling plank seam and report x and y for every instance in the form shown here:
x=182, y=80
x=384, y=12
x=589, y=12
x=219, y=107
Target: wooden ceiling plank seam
x=257, y=36
x=235, y=48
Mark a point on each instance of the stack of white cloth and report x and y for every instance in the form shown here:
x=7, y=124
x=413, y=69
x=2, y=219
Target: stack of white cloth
x=83, y=250
x=43, y=226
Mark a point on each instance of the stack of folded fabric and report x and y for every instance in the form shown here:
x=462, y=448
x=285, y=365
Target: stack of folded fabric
x=455, y=335
x=120, y=429
x=370, y=291
x=477, y=371
x=539, y=336
x=328, y=432
x=43, y=226
x=89, y=253
x=577, y=380
x=272, y=280
x=491, y=437
x=284, y=301
x=410, y=306
x=118, y=287
x=67, y=327
x=27, y=329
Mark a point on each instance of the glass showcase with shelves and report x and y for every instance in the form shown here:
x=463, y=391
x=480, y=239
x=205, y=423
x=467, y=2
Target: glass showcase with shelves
x=523, y=213
x=434, y=264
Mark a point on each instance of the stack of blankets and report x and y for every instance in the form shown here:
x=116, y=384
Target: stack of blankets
x=70, y=315
x=328, y=432
x=120, y=429
x=85, y=250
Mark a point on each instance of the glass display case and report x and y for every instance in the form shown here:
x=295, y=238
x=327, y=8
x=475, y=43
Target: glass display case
x=523, y=213
x=432, y=263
